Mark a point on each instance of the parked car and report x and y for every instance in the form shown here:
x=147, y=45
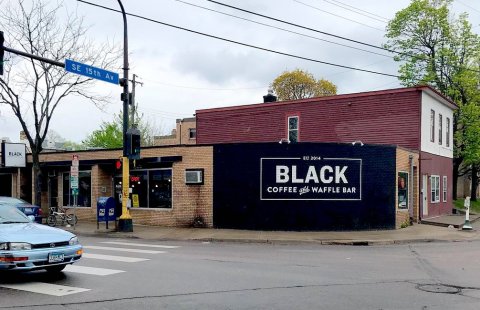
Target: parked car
x=26, y=246
x=23, y=206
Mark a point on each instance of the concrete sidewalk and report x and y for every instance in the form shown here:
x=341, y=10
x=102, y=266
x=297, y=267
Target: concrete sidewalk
x=411, y=234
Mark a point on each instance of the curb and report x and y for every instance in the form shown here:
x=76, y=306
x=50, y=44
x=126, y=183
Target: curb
x=344, y=242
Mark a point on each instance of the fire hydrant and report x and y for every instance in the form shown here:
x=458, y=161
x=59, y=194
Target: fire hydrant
x=467, y=225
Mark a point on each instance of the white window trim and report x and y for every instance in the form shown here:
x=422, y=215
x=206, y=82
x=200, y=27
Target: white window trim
x=444, y=189
x=435, y=198
x=288, y=126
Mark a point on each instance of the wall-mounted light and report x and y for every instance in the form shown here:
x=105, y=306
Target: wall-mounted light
x=359, y=142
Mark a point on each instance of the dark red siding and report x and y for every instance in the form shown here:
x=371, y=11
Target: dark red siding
x=441, y=166
x=388, y=117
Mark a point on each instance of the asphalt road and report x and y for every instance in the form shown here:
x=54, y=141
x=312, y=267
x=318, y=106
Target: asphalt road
x=139, y=274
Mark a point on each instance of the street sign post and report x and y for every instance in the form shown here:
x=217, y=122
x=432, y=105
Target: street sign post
x=91, y=72
x=74, y=172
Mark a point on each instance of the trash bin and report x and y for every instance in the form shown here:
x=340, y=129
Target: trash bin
x=106, y=210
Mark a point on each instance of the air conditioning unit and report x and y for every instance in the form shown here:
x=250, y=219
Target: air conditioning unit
x=194, y=176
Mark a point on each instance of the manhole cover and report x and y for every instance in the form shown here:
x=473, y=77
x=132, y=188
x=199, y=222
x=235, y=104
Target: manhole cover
x=439, y=288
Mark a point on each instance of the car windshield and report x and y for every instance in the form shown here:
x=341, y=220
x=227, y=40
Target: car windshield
x=12, y=200
x=10, y=215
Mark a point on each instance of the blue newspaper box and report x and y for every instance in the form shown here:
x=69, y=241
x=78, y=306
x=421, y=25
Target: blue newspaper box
x=105, y=210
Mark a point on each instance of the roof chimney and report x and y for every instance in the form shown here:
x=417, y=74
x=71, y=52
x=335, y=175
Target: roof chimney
x=270, y=97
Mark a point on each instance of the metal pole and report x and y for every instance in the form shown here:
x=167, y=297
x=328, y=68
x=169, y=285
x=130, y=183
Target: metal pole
x=125, y=220
x=75, y=199
x=133, y=101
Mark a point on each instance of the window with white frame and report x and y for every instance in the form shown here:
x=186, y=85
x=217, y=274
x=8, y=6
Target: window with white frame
x=293, y=129
x=440, y=128
x=435, y=188
x=432, y=126
x=447, y=133
x=444, y=187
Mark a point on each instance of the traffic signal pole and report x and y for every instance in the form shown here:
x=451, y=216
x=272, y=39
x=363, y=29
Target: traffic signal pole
x=125, y=221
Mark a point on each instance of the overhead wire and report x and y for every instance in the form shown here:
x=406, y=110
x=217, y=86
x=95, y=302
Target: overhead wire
x=336, y=15
x=303, y=27
x=282, y=29
x=241, y=43
x=323, y=32
x=356, y=10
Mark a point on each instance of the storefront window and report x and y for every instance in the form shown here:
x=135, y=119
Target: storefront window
x=139, y=186
x=84, y=189
x=150, y=188
x=161, y=188
x=403, y=190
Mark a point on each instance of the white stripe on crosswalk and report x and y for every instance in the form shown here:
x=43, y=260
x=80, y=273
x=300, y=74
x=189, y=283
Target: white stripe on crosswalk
x=92, y=270
x=114, y=258
x=94, y=247
x=45, y=288
x=143, y=244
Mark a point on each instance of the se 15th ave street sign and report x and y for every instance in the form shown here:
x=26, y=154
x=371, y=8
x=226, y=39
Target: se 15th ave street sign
x=91, y=72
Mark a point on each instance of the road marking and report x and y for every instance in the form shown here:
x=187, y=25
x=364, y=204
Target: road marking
x=94, y=247
x=142, y=244
x=46, y=288
x=124, y=259
x=92, y=270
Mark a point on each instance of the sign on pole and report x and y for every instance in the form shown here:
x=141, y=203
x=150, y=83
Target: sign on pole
x=75, y=160
x=91, y=72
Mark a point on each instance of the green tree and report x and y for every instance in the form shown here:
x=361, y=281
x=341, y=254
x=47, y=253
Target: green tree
x=110, y=134
x=440, y=50
x=299, y=84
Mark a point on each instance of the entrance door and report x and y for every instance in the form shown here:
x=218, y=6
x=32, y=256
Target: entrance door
x=425, y=194
x=53, y=191
x=6, y=184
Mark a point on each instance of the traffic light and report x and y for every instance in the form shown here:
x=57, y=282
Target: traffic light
x=1, y=52
x=133, y=146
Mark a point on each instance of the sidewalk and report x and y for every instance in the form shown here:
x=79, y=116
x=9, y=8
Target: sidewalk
x=411, y=234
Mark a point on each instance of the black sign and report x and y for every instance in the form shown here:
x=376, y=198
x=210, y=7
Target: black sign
x=311, y=178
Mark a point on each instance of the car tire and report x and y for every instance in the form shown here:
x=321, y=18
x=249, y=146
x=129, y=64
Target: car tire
x=55, y=269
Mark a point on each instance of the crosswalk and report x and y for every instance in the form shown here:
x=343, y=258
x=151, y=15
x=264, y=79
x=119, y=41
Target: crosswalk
x=113, y=248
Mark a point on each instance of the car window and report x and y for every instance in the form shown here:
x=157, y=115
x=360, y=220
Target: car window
x=12, y=215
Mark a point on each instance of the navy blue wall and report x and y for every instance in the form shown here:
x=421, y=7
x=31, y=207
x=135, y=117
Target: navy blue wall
x=243, y=184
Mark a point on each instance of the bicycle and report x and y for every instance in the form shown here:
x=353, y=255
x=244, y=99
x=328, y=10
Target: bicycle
x=62, y=215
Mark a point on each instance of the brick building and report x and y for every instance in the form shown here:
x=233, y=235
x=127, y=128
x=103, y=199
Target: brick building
x=374, y=160
x=417, y=118
x=185, y=132
x=160, y=192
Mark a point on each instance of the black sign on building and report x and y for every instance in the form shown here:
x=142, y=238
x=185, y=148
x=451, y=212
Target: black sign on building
x=304, y=186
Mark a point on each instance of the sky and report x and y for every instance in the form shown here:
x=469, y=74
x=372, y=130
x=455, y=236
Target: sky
x=183, y=72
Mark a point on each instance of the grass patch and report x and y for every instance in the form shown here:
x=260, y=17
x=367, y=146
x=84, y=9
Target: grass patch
x=474, y=205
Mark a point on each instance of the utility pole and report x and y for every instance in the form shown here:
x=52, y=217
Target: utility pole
x=132, y=100
x=125, y=221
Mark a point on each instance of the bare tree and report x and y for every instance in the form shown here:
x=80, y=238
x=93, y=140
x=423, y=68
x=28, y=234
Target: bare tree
x=34, y=89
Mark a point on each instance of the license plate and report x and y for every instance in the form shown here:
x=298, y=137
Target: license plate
x=56, y=257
